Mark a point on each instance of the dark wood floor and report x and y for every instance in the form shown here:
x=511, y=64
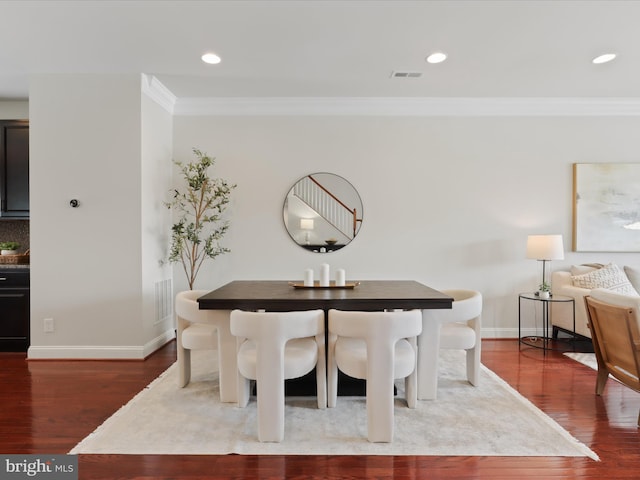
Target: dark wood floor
x=49, y=406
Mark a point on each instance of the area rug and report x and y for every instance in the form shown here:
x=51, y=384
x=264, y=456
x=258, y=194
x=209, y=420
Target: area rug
x=588, y=359
x=488, y=420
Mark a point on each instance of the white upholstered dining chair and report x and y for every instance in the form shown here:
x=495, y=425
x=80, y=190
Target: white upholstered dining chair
x=457, y=328
x=206, y=330
x=378, y=347
x=273, y=347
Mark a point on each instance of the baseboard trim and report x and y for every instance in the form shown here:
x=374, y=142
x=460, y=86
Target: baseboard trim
x=503, y=332
x=100, y=352
x=159, y=342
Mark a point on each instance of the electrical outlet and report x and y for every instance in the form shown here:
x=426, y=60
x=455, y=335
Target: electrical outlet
x=48, y=325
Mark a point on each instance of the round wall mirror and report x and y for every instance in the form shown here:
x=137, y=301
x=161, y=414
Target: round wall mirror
x=322, y=212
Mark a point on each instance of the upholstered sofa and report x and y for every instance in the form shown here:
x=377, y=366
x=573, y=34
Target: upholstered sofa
x=578, y=282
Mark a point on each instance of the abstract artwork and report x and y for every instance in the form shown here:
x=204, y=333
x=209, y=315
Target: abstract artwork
x=606, y=209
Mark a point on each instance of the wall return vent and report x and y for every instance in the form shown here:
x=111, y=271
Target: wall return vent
x=397, y=74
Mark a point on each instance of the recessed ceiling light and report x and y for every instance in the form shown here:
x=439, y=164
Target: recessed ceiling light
x=607, y=57
x=436, y=57
x=211, y=58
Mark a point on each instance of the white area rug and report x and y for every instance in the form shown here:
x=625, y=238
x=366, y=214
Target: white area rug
x=588, y=359
x=491, y=419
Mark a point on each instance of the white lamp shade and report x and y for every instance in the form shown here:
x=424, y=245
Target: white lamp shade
x=545, y=247
x=306, y=223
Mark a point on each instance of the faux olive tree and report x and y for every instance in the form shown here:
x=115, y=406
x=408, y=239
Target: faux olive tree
x=200, y=207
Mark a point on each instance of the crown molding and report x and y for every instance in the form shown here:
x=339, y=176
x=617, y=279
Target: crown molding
x=406, y=106
x=156, y=91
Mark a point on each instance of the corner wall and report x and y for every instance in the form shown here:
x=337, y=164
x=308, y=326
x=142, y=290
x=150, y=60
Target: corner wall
x=156, y=181
x=87, y=262
x=14, y=110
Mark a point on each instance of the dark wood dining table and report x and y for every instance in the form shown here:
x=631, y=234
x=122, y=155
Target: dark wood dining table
x=281, y=296
x=367, y=295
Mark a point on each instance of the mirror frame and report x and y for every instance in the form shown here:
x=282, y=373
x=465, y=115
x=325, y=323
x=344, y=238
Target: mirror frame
x=304, y=221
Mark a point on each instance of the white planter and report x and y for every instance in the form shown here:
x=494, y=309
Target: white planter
x=8, y=252
x=543, y=295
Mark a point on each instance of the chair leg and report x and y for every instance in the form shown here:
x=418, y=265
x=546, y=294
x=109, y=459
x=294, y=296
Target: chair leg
x=227, y=364
x=411, y=389
x=184, y=366
x=332, y=373
x=243, y=391
x=270, y=397
x=270, y=412
x=183, y=354
x=473, y=364
x=411, y=381
x=243, y=384
x=321, y=372
x=380, y=417
x=601, y=380
x=380, y=401
x=428, y=351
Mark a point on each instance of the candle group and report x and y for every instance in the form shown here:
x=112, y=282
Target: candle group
x=324, y=277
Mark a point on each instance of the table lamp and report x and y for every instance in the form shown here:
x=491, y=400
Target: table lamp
x=306, y=224
x=545, y=248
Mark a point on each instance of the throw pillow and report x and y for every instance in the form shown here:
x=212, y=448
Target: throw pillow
x=584, y=268
x=610, y=277
x=633, y=274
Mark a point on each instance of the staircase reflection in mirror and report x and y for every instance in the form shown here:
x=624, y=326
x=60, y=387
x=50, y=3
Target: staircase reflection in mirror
x=322, y=212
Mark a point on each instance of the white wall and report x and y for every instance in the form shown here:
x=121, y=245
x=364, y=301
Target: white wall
x=156, y=181
x=448, y=201
x=14, y=110
x=87, y=263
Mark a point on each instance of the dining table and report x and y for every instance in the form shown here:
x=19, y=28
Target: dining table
x=286, y=296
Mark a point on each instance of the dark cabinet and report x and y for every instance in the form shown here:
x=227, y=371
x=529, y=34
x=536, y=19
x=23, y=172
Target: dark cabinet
x=14, y=168
x=14, y=310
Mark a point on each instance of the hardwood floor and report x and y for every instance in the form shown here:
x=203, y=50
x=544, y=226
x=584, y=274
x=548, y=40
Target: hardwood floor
x=49, y=406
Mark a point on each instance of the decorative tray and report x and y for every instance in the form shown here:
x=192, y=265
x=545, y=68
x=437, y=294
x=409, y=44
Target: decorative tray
x=332, y=284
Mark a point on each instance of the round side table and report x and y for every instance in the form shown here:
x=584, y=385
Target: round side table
x=544, y=341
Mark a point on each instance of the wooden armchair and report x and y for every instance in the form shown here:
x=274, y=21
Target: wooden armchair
x=616, y=338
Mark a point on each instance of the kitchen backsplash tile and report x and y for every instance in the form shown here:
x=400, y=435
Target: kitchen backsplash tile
x=15, y=231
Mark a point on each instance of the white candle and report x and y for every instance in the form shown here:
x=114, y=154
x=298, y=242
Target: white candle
x=324, y=275
x=308, y=277
x=340, y=277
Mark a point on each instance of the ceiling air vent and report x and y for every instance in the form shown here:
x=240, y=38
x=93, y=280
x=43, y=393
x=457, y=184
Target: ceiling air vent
x=396, y=74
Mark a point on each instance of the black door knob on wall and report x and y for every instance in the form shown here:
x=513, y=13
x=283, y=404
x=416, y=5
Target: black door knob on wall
x=74, y=203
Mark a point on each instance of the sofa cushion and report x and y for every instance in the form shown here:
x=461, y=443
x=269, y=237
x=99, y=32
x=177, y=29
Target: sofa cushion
x=633, y=274
x=607, y=296
x=610, y=277
x=613, y=298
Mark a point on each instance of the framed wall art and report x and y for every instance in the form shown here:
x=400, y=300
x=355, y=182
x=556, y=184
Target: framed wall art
x=606, y=208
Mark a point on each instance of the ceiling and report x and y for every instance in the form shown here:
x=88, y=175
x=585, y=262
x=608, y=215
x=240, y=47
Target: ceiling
x=330, y=48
